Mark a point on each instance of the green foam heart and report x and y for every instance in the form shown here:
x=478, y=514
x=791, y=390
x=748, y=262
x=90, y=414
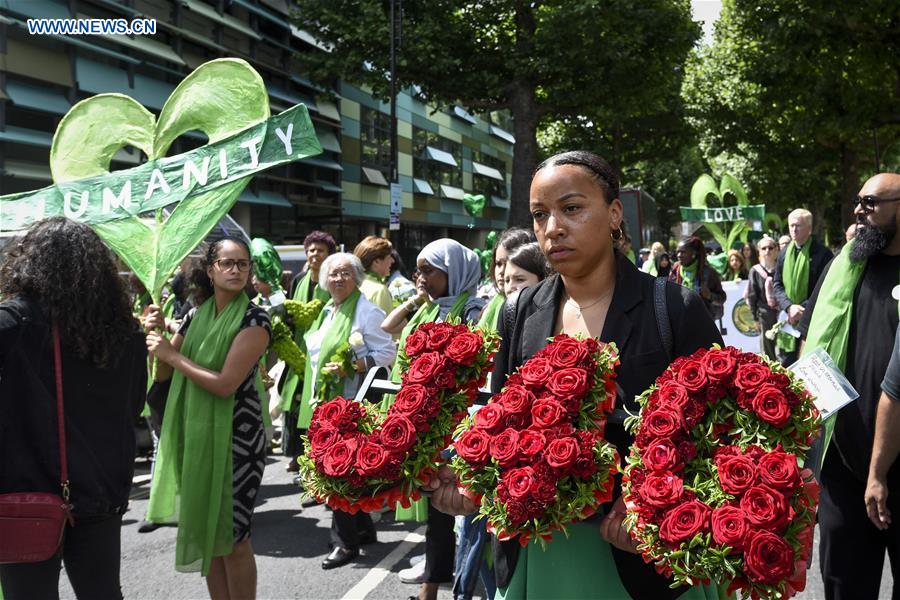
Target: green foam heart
x=220, y=98
x=474, y=204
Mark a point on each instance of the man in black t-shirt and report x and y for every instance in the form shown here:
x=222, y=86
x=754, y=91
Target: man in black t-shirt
x=852, y=547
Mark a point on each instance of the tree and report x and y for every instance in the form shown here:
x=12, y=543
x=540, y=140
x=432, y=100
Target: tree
x=790, y=94
x=540, y=60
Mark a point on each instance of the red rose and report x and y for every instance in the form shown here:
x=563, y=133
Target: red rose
x=729, y=526
x=473, y=446
x=516, y=512
x=415, y=343
x=519, y=482
x=719, y=364
x=568, y=352
x=768, y=558
x=779, y=470
x=410, y=399
x=562, y=452
x=661, y=455
x=661, y=490
x=438, y=336
x=766, y=508
x=489, y=417
x=445, y=379
x=331, y=411
x=424, y=368
x=736, y=473
x=771, y=406
x=397, y=433
x=505, y=447
x=531, y=443
x=663, y=423
x=536, y=372
x=371, y=459
x=339, y=459
x=546, y=413
x=673, y=393
x=684, y=522
x=463, y=349
x=692, y=376
x=569, y=383
x=324, y=438
x=516, y=399
x=750, y=376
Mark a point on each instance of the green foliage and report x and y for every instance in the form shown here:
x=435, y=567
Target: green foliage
x=285, y=347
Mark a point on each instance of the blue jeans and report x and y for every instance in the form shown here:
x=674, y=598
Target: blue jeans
x=470, y=563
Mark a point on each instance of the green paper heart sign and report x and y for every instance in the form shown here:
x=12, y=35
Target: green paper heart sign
x=715, y=205
x=473, y=204
x=225, y=99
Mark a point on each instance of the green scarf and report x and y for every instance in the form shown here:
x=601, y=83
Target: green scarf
x=374, y=277
x=491, y=313
x=795, y=276
x=689, y=274
x=192, y=483
x=652, y=270
x=289, y=397
x=338, y=333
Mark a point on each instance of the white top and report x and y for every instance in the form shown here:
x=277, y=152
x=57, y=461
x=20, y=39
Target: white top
x=376, y=342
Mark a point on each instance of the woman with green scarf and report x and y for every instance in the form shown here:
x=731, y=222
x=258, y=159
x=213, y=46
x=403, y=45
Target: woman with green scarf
x=508, y=242
x=344, y=342
x=212, y=447
x=693, y=272
x=375, y=254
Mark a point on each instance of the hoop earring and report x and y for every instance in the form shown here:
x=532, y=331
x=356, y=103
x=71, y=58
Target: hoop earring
x=617, y=234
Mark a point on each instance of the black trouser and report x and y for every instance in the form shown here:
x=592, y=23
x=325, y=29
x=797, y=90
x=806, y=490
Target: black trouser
x=292, y=444
x=346, y=529
x=440, y=547
x=851, y=549
x=91, y=553
x=766, y=346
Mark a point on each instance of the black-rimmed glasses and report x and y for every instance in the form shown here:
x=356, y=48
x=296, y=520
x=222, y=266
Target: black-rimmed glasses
x=870, y=202
x=227, y=264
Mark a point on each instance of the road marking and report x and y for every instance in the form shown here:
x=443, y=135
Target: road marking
x=377, y=573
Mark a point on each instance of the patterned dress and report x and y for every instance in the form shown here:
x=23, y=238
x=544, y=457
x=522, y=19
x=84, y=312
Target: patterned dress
x=248, y=438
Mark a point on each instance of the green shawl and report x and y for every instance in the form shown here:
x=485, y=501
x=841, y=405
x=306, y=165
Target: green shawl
x=192, y=482
x=289, y=396
x=689, y=274
x=491, y=313
x=338, y=333
x=795, y=275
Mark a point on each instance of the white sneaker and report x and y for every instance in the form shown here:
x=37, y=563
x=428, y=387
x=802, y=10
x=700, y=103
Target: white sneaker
x=414, y=574
x=416, y=559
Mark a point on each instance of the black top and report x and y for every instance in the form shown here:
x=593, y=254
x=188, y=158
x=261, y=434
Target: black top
x=871, y=340
x=756, y=294
x=631, y=324
x=101, y=406
x=891, y=382
x=819, y=257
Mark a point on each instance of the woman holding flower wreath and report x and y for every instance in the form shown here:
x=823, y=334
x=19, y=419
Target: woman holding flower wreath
x=343, y=342
x=597, y=292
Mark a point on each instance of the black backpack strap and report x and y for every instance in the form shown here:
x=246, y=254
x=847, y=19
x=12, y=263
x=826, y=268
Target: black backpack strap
x=660, y=305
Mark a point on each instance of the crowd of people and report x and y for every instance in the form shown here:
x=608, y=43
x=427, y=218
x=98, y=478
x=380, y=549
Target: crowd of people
x=207, y=349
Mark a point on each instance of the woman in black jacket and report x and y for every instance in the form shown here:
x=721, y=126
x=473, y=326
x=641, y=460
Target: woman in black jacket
x=61, y=273
x=597, y=293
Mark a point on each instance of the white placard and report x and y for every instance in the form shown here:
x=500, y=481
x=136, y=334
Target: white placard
x=825, y=381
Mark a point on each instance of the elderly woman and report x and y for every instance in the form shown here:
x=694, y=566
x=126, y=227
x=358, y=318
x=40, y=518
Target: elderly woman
x=347, y=313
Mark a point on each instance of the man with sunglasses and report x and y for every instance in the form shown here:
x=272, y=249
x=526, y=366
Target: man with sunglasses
x=798, y=269
x=853, y=315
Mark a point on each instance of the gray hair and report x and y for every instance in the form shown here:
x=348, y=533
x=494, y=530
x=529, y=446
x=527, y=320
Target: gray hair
x=339, y=257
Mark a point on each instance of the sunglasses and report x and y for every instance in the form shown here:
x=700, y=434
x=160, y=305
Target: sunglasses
x=869, y=202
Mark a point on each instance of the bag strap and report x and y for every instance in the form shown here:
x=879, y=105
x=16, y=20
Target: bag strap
x=663, y=324
x=60, y=415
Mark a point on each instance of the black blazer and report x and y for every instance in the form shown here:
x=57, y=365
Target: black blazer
x=631, y=324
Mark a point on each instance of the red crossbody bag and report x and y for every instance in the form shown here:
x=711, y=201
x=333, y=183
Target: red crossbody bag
x=32, y=523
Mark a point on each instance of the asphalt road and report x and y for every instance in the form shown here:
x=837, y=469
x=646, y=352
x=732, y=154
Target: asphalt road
x=290, y=543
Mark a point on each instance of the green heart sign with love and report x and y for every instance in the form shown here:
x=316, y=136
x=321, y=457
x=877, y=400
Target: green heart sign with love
x=226, y=100
x=716, y=204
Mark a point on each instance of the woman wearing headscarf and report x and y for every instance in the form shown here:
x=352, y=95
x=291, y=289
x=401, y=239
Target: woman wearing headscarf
x=596, y=292
x=448, y=279
x=348, y=320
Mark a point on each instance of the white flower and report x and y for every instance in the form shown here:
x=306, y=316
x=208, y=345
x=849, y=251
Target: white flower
x=356, y=340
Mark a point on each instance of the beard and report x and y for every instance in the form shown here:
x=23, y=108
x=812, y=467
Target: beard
x=871, y=240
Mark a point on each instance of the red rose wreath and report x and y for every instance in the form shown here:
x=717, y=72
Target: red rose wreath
x=535, y=458
x=361, y=459
x=713, y=487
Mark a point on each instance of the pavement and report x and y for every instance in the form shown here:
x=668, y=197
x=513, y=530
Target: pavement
x=290, y=543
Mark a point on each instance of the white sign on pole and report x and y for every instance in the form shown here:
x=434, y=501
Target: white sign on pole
x=396, y=206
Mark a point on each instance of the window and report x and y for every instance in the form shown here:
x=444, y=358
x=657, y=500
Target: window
x=375, y=140
x=436, y=160
x=488, y=175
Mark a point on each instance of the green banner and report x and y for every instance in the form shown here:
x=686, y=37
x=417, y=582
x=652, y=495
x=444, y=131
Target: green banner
x=724, y=214
x=158, y=183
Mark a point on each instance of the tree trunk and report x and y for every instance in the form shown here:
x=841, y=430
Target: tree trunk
x=849, y=185
x=525, y=151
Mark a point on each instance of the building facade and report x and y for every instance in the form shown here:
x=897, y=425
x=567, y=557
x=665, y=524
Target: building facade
x=443, y=153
